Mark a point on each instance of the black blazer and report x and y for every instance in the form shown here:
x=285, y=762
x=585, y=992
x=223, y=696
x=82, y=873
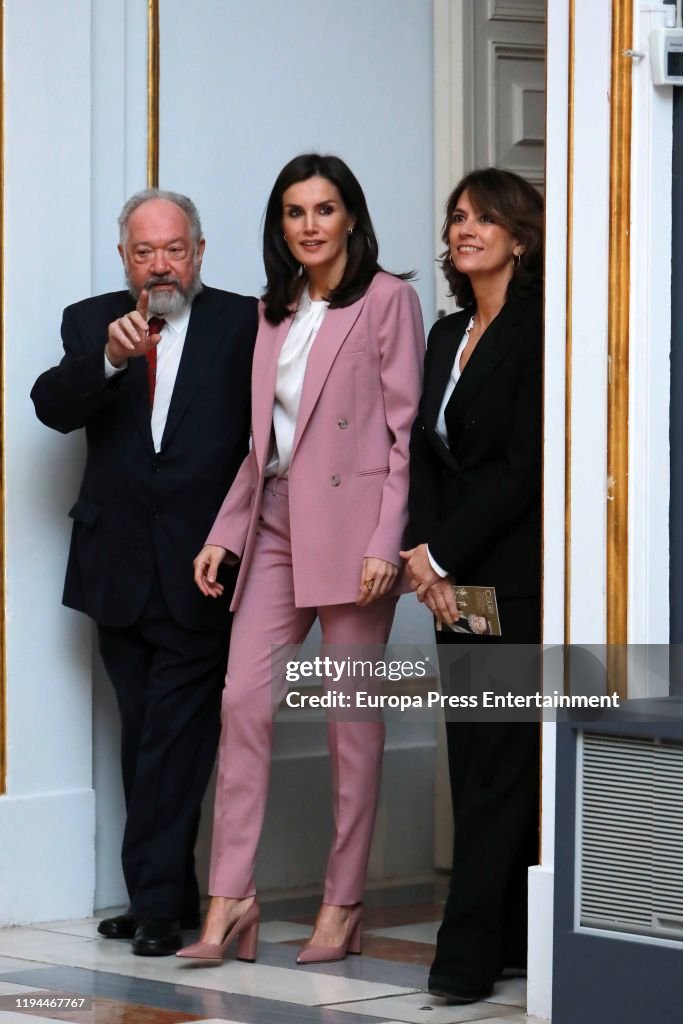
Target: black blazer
x=478, y=503
x=137, y=509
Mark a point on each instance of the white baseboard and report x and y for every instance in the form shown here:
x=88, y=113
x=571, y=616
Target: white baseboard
x=540, y=962
x=47, y=857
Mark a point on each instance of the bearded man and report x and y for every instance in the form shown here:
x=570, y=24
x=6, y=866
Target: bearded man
x=159, y=378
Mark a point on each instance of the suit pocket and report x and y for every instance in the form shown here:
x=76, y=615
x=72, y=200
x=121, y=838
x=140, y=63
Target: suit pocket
x=354, y=343
x=373, y=472
x=85, y=512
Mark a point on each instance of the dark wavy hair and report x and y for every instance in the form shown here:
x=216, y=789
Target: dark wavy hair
x=284, y=276
x=517, y=206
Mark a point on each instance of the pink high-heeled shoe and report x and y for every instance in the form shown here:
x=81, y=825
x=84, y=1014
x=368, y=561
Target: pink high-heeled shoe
x=311, y=954
x=244, y=929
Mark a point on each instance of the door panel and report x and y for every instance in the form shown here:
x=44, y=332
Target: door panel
x=509, y=86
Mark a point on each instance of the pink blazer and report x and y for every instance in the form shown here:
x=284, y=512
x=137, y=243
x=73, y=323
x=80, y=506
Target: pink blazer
x=348, y=475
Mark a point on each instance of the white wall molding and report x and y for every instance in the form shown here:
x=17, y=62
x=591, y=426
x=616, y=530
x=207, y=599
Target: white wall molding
x=46, y=817
x=541, y=877
x=452, y=118
x=650, y=347
x=47, y=856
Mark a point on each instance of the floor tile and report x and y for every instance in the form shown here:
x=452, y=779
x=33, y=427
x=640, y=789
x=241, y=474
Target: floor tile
x=420, y=1007
x=394, y=916
x=109, y=1011
x=86, y=929
x=511, y=992
x=425, y=931
x=516, y=1018
x=33, y=944
x=283, y=984
x=369, y=967
x=9, y=1017
x=203, y=1003
x=415, y=954
x=8, y=963
x=279, y=983
x=283, y=931
x=10, y=988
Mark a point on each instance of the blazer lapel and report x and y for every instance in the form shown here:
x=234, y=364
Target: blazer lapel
x=263, y=377
x=204, y=334
x=494, y=343
x=330, y=338
x=442, y=364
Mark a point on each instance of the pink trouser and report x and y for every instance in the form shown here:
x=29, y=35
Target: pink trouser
x=266, y=616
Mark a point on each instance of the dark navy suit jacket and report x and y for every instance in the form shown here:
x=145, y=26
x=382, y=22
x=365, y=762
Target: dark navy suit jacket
x=139, y=511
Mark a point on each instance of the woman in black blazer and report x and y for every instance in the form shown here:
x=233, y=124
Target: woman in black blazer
x=475, y=518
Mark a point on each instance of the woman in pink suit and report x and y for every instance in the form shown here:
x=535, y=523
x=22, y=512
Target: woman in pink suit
x=316, y=515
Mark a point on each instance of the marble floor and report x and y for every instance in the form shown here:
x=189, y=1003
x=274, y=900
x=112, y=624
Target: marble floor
x=64, y=971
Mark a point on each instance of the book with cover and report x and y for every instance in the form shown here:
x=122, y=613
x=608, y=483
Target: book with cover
x=478, y=611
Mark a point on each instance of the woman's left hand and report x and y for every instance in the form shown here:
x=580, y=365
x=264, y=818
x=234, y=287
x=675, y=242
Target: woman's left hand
x=419, y=570
x=377, y=577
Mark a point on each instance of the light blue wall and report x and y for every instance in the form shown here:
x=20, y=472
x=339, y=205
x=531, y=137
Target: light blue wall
x=250, y=85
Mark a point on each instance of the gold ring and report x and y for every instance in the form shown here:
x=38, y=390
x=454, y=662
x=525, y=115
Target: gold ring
x=368, y=584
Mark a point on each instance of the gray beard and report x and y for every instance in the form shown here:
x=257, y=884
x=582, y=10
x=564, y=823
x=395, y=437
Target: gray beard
x=167, y=303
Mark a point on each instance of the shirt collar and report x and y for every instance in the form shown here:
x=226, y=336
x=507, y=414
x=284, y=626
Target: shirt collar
x=179, y=321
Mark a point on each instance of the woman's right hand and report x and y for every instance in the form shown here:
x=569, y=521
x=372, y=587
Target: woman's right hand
x=440, y=599
x=206, y=567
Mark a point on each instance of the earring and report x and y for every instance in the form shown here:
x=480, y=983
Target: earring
x=285, y=237
x=349, y=231
x=516, y=260
x=450, y=260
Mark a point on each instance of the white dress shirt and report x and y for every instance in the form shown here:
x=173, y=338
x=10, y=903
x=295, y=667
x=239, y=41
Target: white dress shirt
x=450, y=385
x=291, y=368
x=169, y=351
x=441, y=418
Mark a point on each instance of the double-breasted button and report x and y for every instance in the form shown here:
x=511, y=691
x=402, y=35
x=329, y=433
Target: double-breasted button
x=342, y=424
x=335, y=481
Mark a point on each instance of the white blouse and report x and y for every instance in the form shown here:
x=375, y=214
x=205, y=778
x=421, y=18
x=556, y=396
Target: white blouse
x=441, y=419
x=450, y=385
x=291, y=368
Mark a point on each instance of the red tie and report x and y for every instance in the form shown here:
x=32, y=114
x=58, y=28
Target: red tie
x=154, y=325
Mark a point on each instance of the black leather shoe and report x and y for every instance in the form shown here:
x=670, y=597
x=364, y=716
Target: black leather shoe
x=123, y=926
x=120, y=927
x=455, y=992
x=157, y=936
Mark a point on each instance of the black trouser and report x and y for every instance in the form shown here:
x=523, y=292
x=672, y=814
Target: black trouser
x=168, y=682
x=494, y=776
